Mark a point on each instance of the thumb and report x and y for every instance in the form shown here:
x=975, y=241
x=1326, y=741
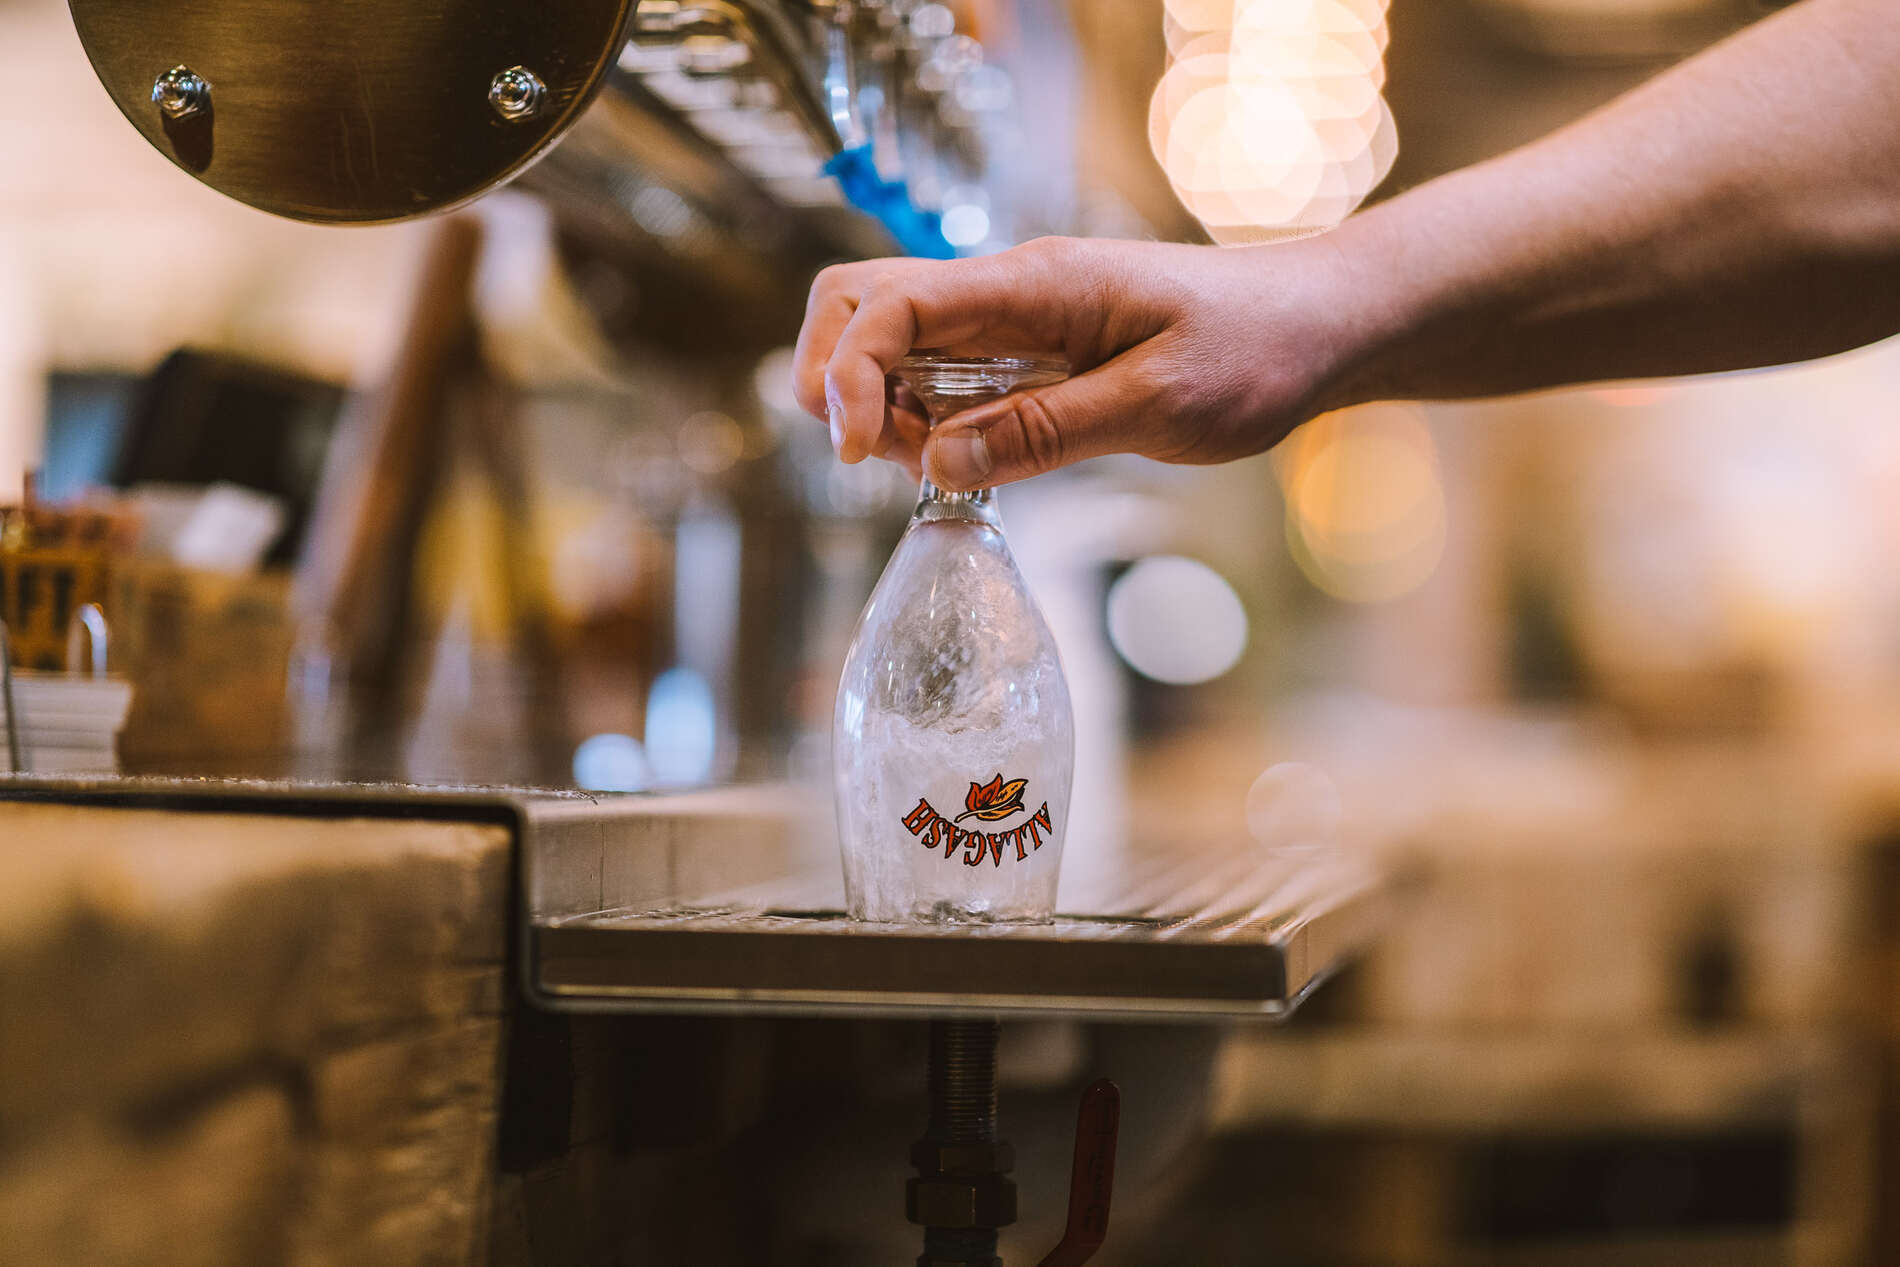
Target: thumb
x=1039, y=430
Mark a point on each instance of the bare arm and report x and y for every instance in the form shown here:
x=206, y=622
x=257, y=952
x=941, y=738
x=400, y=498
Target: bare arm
x=1740, y=210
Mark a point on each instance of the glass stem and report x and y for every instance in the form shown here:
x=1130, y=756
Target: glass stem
x=934, y=503
x=928, y=492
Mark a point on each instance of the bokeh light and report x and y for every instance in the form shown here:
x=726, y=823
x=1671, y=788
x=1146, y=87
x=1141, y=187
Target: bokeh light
x=966, y=224
x=1365, y=504
x=710, y=442
x=773, y=382
x=1269, y=121
x=1176, y=620
x=682, y=729
x=611, y=763
x=1291, y=804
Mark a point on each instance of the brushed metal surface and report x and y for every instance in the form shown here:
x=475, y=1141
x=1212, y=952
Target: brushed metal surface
x=1208, y=933
x=351, y=110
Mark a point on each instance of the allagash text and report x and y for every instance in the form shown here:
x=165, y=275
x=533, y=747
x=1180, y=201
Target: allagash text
x=936, y=831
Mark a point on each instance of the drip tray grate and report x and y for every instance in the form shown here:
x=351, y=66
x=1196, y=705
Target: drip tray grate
x=1279, y=925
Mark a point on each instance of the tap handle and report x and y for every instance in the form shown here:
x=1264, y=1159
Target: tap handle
x=1092, y=1181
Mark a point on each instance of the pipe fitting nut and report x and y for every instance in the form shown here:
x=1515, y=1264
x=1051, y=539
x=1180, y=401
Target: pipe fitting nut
x=988, y=1157
x=961, y=1201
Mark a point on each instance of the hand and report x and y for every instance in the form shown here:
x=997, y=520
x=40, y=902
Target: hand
x=1180, y=353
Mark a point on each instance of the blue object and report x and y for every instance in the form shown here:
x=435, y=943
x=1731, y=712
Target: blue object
x=920, y=233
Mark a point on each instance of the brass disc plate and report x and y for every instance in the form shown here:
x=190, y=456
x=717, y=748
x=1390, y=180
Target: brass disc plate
x=351, y=110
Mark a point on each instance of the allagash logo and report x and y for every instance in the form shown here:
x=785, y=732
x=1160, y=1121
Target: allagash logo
x=990, y=802
x=993, y=801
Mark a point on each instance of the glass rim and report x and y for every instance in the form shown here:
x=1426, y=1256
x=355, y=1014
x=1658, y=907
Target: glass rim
x=928, y=358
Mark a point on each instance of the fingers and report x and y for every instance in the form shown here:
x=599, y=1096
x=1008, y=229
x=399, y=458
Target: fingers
x=900, y=310
x=903, y=437
x=910, y=460
x=833, y=298
x=863, y=318
x=1109, y=410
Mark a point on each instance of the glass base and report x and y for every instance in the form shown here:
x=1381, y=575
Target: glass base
x=954, y=913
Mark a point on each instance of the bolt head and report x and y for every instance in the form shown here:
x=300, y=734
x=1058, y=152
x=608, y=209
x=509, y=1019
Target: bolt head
x=180, y=93
x=517, y=93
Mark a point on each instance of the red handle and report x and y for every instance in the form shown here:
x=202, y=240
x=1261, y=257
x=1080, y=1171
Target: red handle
x=1092, y=1182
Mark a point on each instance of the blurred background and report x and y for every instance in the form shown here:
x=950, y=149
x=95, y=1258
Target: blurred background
x=519, y=495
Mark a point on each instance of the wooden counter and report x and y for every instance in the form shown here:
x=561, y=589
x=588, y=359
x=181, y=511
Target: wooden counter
x=247, y=1039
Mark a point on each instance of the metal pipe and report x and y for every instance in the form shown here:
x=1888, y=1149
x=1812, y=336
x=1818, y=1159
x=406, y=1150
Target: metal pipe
x=962, y=1193
x=963, y=1081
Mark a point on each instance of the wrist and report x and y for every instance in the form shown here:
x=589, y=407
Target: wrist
x=1362, y=309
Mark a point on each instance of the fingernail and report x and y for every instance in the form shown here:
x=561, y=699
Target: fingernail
x=834, y=410
x=960, y=461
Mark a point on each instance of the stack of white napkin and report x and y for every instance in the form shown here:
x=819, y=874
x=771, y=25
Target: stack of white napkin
x=66, y=723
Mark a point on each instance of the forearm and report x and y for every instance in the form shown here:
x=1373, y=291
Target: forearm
x=1741, y=210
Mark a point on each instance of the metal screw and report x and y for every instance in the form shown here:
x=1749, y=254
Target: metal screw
x=181, y=92
x=517, y=93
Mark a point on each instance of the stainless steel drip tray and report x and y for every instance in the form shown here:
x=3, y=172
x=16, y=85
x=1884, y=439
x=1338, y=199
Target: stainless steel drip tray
x=1207, y=934
x=793, y=961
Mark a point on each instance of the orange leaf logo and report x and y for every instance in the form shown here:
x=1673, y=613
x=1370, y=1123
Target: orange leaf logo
x=993, y=800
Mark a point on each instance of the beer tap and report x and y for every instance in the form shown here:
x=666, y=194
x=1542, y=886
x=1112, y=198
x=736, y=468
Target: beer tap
x=890, y=199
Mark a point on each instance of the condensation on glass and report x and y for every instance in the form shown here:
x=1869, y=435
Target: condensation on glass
x=953, y=737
